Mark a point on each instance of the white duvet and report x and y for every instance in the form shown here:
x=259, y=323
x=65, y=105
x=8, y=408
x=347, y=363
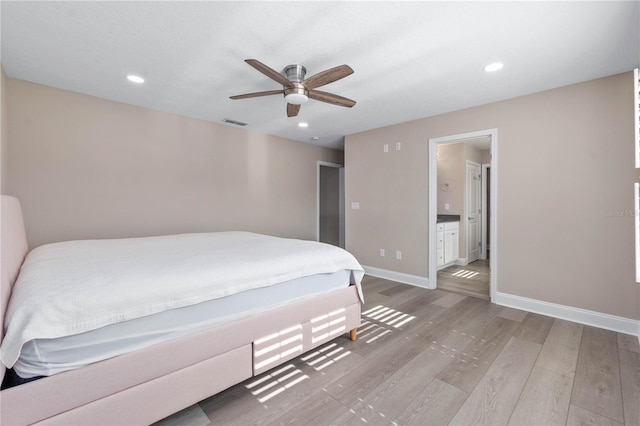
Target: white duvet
x=76, y=286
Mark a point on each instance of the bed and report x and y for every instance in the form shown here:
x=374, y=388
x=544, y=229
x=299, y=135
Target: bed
x=124, y=380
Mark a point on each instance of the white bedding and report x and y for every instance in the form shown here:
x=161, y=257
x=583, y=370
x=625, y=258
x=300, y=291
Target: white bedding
x=46, y=357
x=73, y=287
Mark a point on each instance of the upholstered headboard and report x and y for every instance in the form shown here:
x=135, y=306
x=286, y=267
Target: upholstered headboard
x=13, y=249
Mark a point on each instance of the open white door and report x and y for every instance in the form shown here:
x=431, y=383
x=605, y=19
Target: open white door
x=473, y=195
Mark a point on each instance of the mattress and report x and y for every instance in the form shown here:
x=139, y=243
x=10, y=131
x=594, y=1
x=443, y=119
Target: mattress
x=74, y=287
x=46, y=357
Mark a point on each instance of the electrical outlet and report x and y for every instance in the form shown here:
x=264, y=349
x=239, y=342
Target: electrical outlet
x=397, y=146
x=355, y=206
x=446, y=206
x=385, y=148
x=381, y=252
x=398, y=255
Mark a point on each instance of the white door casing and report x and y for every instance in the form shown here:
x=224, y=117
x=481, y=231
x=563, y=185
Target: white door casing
x=433, y=143
x=472, y=207
x=484, y=212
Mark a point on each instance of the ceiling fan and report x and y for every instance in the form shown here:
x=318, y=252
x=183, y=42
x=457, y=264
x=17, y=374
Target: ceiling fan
x=297, y=90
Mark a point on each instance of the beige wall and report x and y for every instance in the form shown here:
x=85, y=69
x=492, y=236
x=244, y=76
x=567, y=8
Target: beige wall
x=85, y=167
x=565, y=169
x=451, y=173
x=3, y=128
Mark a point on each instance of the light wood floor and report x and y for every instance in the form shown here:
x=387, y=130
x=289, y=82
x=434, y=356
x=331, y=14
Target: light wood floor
x=452, y=359
x=470, y=280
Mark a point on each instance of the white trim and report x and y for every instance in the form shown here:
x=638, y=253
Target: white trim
x=483, y=207
x=636, y=186
x=569, y=313
x=466, y=205
x=341, y=202
x=636, y=108
x=433, y=202
x=400, y=277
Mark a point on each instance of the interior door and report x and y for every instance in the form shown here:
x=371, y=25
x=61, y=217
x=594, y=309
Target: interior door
x=473, y=194
x=330, y=205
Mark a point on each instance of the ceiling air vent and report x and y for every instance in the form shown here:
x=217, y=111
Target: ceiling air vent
x=237, y=123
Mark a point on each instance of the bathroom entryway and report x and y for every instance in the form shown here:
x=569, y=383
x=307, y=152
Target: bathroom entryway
x=462, y=213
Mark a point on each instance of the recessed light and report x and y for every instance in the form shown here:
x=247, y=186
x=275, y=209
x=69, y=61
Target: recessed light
x=303, y=124
x=494, y=67
x=135, y=78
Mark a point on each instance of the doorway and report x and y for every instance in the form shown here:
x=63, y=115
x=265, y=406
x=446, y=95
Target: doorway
x=473, y=258
x=330, y=205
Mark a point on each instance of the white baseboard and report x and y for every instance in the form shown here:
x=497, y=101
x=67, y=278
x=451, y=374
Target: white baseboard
x=400, y=277
x=582, y=316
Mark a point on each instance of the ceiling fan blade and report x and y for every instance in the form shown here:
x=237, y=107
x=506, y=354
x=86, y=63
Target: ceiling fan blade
x=292, y=110
x=331, y=98
x=327, y=76
x=257, y=94
x=269, y=72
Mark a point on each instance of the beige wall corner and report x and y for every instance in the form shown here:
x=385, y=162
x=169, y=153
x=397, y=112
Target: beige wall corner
x=85, y=167
x=565, y=156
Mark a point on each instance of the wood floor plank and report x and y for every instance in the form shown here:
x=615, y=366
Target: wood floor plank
x=467, y=370
x=513, y=314
x=560, y=349
x=580, y=417
x=492, y=401
x=544, y=399
x=481, y=291
x=319, y=409
x=391, y=396
x=475, y=319
x=597, y=379
x=362, y=380
x=628, y=342
x=534, y=328
x=385, y=334
x=630, y=378
x=434, y=405
x=449, y=300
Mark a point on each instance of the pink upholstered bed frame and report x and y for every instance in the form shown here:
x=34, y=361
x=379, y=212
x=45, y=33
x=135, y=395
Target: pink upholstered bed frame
x=147, y=385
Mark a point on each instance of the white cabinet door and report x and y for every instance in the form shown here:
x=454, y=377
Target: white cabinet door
x=440, y=248
x=450, y=246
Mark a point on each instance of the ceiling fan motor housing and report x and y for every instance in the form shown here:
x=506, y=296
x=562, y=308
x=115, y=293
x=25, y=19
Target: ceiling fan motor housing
x=297, y=94
x=295, y=73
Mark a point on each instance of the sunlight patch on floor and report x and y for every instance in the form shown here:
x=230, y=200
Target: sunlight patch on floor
x=466, y=274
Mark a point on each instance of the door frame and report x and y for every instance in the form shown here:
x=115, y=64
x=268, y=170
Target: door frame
x=467, y=189
x=433, y=202
x=483, y=248
x=340, y=199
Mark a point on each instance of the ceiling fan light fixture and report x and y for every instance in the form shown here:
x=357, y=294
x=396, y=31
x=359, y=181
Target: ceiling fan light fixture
x=296, y=98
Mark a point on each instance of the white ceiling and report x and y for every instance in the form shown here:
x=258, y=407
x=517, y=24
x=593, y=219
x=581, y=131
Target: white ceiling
x=411, y=59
